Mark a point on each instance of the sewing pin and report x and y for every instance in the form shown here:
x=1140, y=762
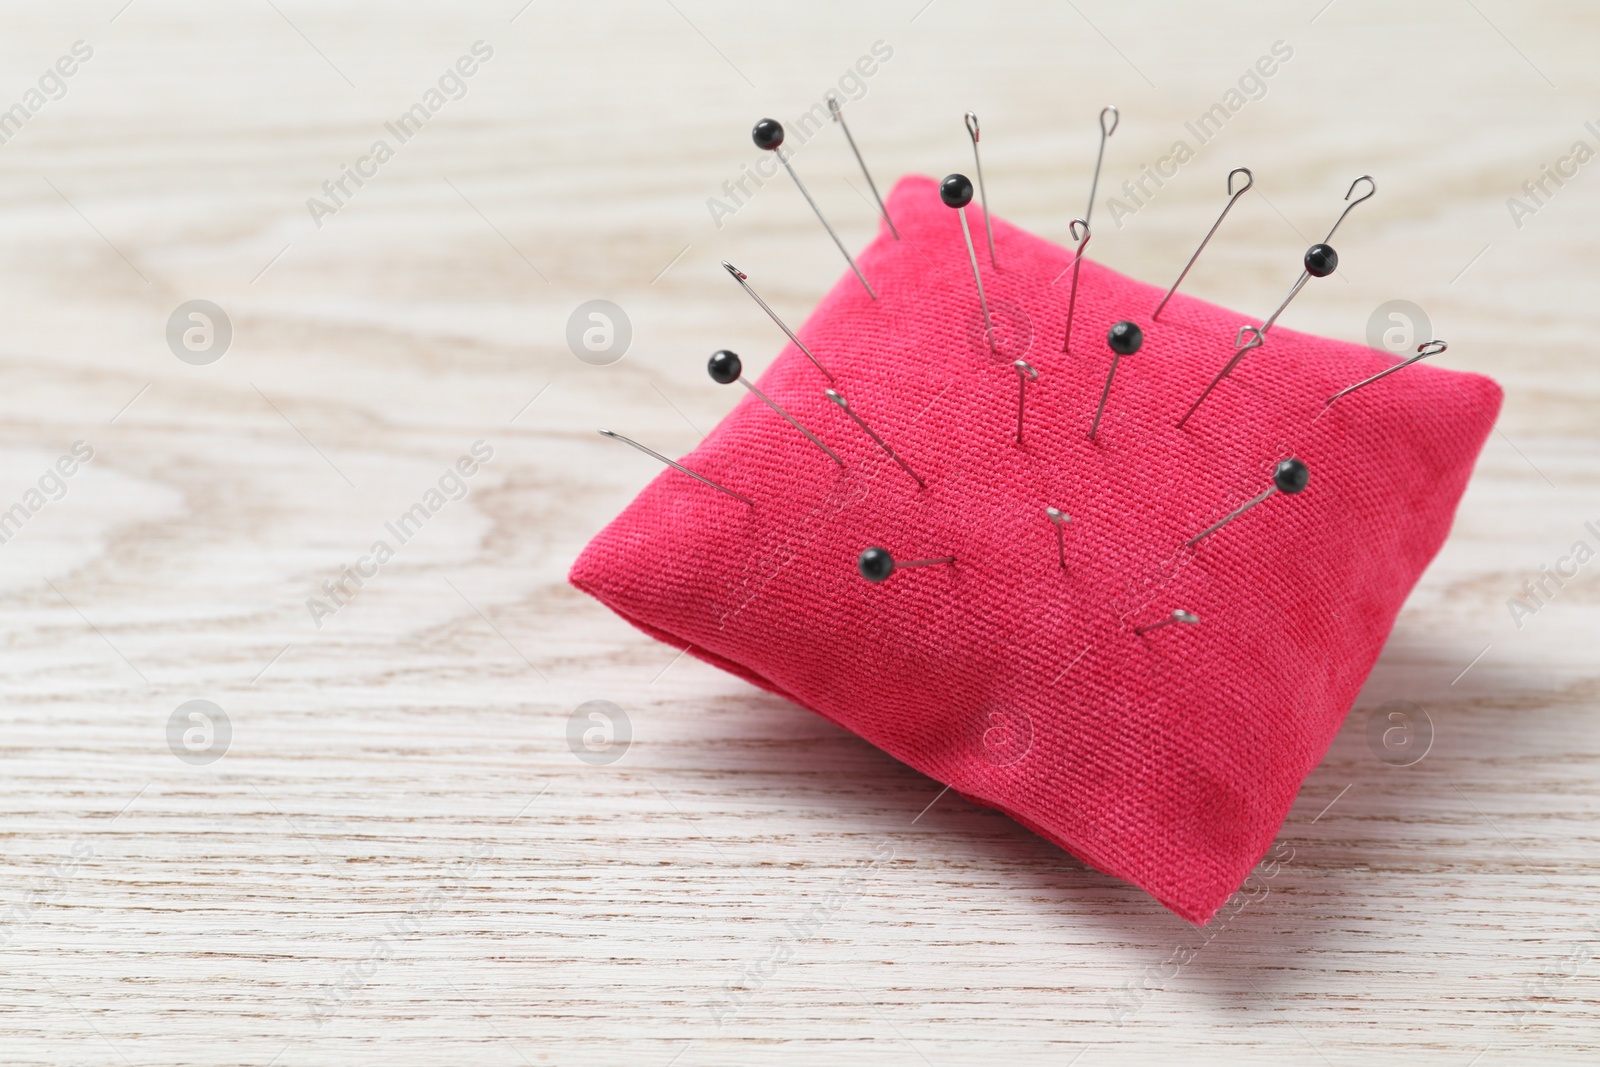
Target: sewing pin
x=1178, y=615
x=1105, y=134
x=956, y=192
x=768, y=136
x=875, y=564
x=983, y=193
x=740, y=277
x=1424, y=350
x=1320, y=259
x=845, y=407
x=677, y=466
x=1233, y=198
x=726, y=368
x=1077, y=261
x=1125, y=338
x=1025, y=373
x=1257, y=339
x=1289, y=476
x=1060, y=518
x=838, y=116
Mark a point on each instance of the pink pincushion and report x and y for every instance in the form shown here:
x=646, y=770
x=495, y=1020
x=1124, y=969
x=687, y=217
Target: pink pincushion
x=1168, y=759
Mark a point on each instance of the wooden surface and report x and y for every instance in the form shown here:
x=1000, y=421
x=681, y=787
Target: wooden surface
x=399, y=859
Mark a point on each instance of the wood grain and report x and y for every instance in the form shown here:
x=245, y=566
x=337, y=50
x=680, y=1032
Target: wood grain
x=399, y=859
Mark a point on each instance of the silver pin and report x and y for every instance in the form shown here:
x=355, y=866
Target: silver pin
x=845, y=407
x=1060, y=519
x=1188, y=618
x=1077, y=261
x=1233, y=198
x=875, y=564
x=1025, y=374
x=1125, y=339
x=956, y=192
x=838, y=116
x=677, y=466
x=1257, y=339
x=726, y=368
x=739, y=276
x=1319, y=261
x=1424, y=350
x=983, y=194
x=1289, y=476
x=1105, y=134
x=768, y=136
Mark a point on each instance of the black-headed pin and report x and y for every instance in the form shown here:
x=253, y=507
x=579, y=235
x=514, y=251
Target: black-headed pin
x=1290, y=476
x=726, y=367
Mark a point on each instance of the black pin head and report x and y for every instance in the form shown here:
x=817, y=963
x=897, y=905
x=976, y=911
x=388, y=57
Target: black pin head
x=768, y=135
x=724, y=367
x=1321, y=261
x=1290, y=476
x=875, y=564
x=1125, y=338
x=956, y=190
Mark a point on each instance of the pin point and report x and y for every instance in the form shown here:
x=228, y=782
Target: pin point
x=1025, y=373
x=726, y=368
x=1060, y=519
x=1233, y=198
x=983, y=194
x=740, y=277
x=677, y=466
x=1105, y=135
x=1424, y=350
x=1077, y=261
x=838, y=116
x=1257, y=339
x=768, y=136
x=1290, y=476
x=876, y=564
x=1125, y=338
x=956, y=192
x=1179, y=615
x=844, y=405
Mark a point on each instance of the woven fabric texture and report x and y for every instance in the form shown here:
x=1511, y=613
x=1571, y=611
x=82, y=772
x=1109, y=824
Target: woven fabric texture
x=1167, y=759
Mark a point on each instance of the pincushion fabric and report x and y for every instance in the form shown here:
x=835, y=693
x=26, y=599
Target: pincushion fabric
x=1168, y=759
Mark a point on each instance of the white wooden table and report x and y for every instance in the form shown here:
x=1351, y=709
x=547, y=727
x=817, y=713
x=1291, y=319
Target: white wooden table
x=397, y=857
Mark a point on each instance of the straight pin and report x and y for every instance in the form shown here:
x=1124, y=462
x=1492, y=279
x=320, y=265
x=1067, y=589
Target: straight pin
x=768, y=136
x=956, y=192
x=1289, y=476
x=1077, y=261
x=1125, y=338
x=726, y=367
x=1233, y=198
x=1178, y=615
x=876, y=564
x=1025, y=373
x=1257, y=339
x=971, y=121
x=844, y=405
x=1105, y=135
x=1319, y=261
x=677, y=466
x=838, y=116
x=1059, y=519
x=1424, y=350
x=740, y=277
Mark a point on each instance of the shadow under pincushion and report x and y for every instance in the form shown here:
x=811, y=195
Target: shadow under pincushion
x=1169, y=758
